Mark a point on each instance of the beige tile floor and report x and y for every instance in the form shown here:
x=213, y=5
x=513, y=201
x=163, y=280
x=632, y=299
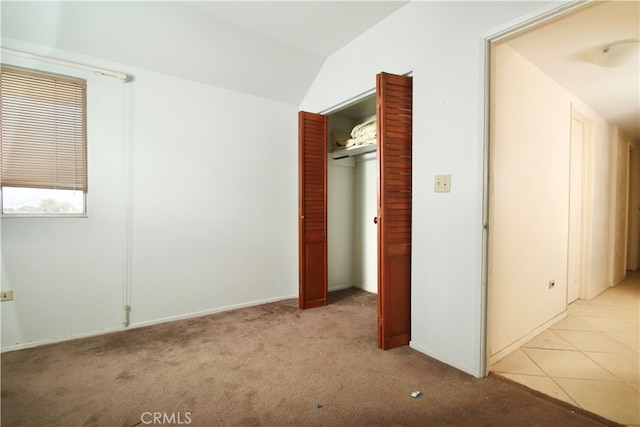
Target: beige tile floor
x=591, y=358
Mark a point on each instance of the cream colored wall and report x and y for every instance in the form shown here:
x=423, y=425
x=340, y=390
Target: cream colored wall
x=529, y=199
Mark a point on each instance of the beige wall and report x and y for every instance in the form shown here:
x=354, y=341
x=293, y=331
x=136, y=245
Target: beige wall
x=529, y=201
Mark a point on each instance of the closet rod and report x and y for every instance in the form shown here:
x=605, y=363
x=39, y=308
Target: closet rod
x=115, y=74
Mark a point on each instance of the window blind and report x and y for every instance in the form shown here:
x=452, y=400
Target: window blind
x=43, y=130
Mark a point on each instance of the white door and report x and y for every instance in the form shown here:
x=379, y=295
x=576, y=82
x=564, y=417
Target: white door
x=574, y=267
x=633, y=239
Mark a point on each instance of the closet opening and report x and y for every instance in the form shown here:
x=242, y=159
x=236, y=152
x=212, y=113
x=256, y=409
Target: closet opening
x=352, y=197
x=354, y=193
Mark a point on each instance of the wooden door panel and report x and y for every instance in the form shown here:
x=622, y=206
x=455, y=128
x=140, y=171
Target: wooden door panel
x=398, y=296
x=312, y=210
x=314, y=273
x=394, y=109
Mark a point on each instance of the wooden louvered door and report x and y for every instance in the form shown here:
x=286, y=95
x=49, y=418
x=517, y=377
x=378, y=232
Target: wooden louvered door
x=312, y=209
x=394, y=110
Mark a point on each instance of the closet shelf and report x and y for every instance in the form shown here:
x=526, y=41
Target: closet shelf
x=353, y=151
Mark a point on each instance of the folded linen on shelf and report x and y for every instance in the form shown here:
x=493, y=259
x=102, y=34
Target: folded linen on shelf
x=362, y=134
x=340, y=139
x=366, y=129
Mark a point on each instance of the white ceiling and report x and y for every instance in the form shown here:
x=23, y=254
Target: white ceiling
x=275, y=49
x=562, y=48
x=264, y=48
x=320, y=27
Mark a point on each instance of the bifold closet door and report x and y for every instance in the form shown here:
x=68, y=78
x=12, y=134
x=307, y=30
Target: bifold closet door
x=394, y=110
x=312, y=209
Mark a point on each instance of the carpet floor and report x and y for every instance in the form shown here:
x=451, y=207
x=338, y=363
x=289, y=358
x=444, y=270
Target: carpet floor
x=267, y=365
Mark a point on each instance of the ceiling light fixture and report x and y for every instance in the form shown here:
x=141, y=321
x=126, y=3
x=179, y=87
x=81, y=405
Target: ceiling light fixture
x=615, y=54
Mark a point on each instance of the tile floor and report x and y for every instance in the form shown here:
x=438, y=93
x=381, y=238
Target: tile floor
x=591, y=358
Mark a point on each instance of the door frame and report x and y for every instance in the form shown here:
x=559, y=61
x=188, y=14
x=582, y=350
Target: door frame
x=633, y=239
x=586, y=166
x=349, y=102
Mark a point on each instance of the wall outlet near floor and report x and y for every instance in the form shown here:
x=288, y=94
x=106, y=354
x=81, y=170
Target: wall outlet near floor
x=552, y=283
x=6, y=295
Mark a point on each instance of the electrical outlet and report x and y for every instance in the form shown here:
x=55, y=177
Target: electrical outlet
x=552, y=283
x=442, y=183
x=6, y=296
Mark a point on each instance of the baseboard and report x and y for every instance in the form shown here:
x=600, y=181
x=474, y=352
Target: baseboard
x=494, y=358
x=619, y=279
x=338, y=288
x=31, y=344
x=211, y=311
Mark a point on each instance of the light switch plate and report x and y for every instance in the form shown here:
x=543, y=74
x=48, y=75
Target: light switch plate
x=442, y=183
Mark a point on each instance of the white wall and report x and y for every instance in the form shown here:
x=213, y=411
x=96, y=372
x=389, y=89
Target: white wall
x=340, y=220
x=352, y=236
x=66, y=273
x=211, y=217
x=364, y=229
x=529, y=200
x=220, y=230
x=441, y=42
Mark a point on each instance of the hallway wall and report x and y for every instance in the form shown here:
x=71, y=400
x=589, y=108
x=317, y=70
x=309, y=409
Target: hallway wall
x=529, y=200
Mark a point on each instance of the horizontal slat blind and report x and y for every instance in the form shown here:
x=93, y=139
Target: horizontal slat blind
x=43, y=130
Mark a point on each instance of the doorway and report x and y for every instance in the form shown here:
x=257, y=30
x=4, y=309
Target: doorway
x=561, y=225
x=394, y=101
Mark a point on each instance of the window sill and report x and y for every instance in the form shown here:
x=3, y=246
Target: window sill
x=12, y=216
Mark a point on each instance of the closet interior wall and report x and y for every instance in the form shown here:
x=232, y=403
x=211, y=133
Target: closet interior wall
x=352, y=205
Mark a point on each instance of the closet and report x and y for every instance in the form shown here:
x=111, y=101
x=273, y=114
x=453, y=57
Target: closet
x=351, y=197
x=337, y=155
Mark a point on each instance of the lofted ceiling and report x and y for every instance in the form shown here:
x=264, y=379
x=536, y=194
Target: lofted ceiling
x=564, y=49
x=269, y=49
x=274, y=49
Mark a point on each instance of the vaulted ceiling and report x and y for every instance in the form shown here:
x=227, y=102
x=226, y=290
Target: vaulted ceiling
x=275, y=49
x=269, y=49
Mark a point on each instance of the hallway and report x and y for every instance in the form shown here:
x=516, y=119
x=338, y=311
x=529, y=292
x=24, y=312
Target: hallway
x=591, y=358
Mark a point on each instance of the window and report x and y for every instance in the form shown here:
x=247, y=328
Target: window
x=43, y=145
